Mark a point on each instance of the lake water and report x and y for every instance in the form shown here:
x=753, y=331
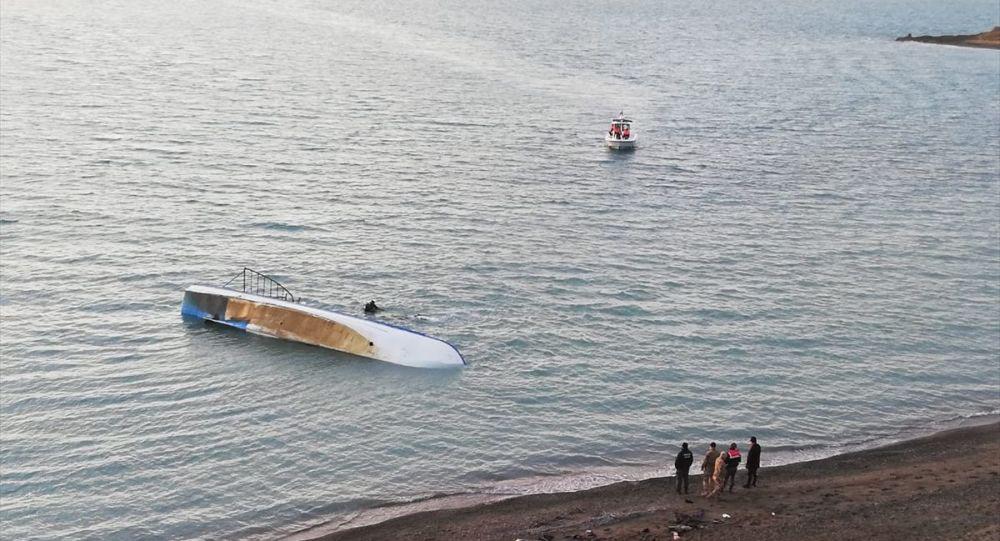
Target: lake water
x=805, y=247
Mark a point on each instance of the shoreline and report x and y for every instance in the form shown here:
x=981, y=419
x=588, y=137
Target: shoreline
x=985, y=40
x=610, y=510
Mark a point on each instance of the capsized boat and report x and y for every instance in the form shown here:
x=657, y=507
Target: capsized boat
x=620, y=135
x=259, y=304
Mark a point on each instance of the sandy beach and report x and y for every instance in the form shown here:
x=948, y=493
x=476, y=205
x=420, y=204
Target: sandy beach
x=944, y=486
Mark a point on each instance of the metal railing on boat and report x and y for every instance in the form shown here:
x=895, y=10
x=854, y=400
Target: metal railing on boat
x=261, y=284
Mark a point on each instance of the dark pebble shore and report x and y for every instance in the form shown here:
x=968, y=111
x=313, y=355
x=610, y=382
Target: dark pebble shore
x=944, y=486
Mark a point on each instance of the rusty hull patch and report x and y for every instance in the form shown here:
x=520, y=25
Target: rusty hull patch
x=292, y=324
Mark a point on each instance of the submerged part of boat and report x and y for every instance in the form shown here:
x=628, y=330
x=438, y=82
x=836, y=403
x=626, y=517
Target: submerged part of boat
x=265, y=307
x=620, y=135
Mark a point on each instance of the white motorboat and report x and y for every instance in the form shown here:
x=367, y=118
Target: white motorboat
x=264, y=306
x=620, y=135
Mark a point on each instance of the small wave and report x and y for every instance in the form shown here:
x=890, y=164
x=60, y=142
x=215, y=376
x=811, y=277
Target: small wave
x=634, y=294
x=255, y=123
x=725, y=315
x=279, y=226
x=830, y=196
x=625, y=310
x=459, y=124
x=164, y=151
x=570, y=281
x=366, y=515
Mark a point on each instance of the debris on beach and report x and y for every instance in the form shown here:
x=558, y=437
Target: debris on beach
x=692, y=520
x=685, y=522
x=605, y=519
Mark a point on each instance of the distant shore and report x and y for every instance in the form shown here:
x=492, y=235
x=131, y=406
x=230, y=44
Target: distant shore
x=989, y=39
x=944, y=486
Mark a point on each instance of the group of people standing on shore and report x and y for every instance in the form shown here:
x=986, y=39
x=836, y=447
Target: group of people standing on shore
x=717, y=468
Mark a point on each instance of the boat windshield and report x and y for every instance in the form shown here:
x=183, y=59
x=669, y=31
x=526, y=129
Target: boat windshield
x=621, y=128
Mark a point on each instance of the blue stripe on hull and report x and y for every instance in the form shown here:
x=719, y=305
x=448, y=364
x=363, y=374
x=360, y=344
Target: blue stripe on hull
x=242, y=325
x=190, y=310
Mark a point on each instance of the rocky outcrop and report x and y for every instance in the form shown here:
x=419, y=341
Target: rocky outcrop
x=989, y=39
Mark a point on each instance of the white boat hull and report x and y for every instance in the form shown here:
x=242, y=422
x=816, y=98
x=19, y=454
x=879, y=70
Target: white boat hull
x=620, y=144
x=324, y=328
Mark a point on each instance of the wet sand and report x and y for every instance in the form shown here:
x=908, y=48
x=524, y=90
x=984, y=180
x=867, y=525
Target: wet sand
x=944, y=486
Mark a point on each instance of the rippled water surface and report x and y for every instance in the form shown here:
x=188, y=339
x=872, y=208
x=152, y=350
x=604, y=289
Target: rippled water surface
x=804, y=248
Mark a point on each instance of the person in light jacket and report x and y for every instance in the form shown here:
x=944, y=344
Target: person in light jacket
x=708, y=469
x=718, y=475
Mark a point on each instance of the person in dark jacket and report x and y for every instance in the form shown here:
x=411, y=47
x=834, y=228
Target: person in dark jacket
x=682, y=464
x=732, y=462
x=753, y=463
